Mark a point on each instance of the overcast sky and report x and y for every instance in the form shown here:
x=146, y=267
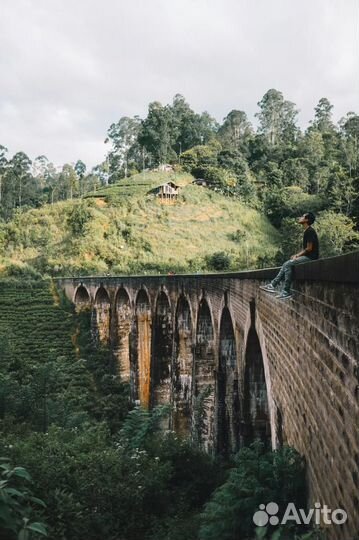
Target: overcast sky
x=69, y=68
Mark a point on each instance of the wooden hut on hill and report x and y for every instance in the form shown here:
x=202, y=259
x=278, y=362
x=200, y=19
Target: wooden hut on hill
x=167, y=192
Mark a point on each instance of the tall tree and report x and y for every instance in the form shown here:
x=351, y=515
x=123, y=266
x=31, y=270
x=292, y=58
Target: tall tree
x=3, y=164
x=80, y=169
x=349, y=132
x=19, y=176
x=122, y=135
x=323, y=116
x=69, y=181
x=236, y=131
x=277, y=118
x=183, y=125
x=188, y=128
x=156, y=133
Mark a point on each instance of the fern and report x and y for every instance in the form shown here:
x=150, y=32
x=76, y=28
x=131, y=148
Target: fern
x=141, y=424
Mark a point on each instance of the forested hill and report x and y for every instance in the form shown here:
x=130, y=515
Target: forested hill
x=126, y=229
x=258, y=180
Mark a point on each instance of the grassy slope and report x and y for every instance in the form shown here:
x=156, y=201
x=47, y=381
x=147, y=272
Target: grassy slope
x=131, y=231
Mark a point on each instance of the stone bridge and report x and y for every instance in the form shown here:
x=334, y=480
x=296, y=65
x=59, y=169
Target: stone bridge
x=237, y=364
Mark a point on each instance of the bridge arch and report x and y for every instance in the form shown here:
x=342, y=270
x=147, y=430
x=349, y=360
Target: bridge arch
x=82, y=296
x=140, y=349
x=101, y=316
x=123, y=321
x=183, y=366
x=276, y=418
x=256, y=412
x=228, y=406
x=123, y=297
x=162, y=350
x=204, y=379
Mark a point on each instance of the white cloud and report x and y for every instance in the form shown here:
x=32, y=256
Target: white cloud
x=69, y=69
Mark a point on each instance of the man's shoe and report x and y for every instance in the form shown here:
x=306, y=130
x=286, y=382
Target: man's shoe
x=284, y=295
x=268, y=288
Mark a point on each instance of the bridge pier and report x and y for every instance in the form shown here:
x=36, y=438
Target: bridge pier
x=123, y=324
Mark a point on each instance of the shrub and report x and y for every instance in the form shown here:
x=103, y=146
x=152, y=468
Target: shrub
x=78, y=218
x=337, y=234
x=22, y=271
x=219, y=261
x=18, y=505
x=259, y=477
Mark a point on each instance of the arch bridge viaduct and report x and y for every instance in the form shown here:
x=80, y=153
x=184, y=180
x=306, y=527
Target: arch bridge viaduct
x=236, y=364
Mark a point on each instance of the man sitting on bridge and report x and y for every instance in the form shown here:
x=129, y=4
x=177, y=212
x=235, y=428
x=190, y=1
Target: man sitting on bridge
x=310, y=252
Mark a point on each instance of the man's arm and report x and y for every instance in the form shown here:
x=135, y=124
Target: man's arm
x=308, y=249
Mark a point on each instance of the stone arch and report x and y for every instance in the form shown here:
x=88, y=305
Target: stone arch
x=82, y=296
x=204, y=377
x=183, y=366
x=256, y=411
x=101, y=316
x=140, y=349
x=276, y=429
x=123, y=296
x=228, y=406
x=162, y=351
x=123, y=320
x=205, y=301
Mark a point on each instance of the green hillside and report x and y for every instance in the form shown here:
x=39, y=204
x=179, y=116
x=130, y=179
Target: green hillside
x=125, y=229
x=36, y=327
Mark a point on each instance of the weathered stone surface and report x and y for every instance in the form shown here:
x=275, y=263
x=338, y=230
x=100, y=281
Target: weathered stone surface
x=122, y=330
x=284, y=370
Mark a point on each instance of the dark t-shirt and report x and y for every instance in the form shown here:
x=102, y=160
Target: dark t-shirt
x=311, y=236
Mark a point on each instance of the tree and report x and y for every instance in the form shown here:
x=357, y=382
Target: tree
x=349, y=132
x=323, y=116
x=199, y=158
x=123, y=135
x=46, y=177
x=341, y=191
x=69, y=181
x=101, y=173
x=18, y=185
x=20, y=166
x=207, y=127
x=80, y=169
x=185, y=131
x=295, y=172
x=236, y=131
x=78, y=218
x=156, y=133
x=277, y=118
x=3, y=164
x=337, y=234
x=258, y=477
x=172, y=129
x=39, y=167
x=323, y=123
x=313, y=150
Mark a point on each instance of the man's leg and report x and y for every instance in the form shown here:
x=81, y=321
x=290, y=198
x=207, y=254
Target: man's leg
x=288, y=271
x=281, y=274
